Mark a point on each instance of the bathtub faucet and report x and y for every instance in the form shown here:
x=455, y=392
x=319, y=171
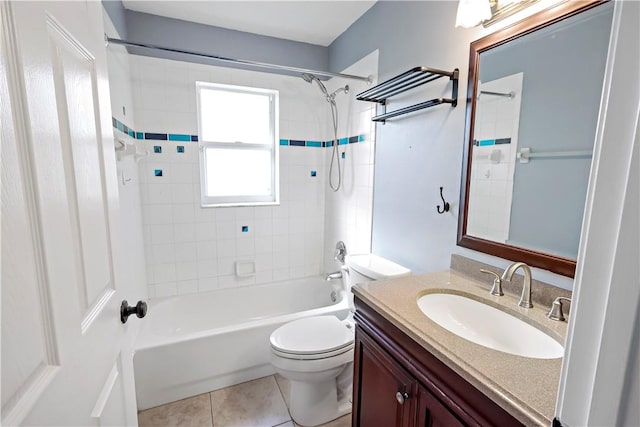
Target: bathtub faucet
x=334, y=275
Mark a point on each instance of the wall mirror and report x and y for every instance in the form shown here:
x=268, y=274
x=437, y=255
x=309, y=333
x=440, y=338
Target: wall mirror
x=532, y=108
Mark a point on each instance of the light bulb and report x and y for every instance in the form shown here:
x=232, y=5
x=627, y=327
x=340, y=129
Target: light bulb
x=472, y=13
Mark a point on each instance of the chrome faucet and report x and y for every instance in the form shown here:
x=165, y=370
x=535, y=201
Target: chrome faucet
x=339, y=255
x=525, y=298
x=334, y=275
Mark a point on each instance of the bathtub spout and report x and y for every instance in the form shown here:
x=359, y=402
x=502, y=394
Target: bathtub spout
x=334, y=275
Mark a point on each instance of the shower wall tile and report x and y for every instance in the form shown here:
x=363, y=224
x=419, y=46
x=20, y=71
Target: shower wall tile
x=194, y=249
x=348, y=212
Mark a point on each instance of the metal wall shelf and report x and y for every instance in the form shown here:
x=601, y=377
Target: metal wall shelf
x=406, y=81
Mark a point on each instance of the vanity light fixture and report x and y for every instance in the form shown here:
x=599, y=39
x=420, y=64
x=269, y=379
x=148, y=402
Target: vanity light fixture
x=472, y=13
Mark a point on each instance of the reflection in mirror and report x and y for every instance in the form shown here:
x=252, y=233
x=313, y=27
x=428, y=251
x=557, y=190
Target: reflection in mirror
x=532, y=112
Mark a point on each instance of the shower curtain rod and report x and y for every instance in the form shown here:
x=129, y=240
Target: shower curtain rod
x=237, y=61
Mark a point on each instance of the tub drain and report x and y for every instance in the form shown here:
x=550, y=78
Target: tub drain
x=334, y=296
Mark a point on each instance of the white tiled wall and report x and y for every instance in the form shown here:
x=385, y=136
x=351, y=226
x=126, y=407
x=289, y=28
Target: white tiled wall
x=493, y=166
x=192, y=249
x=348, y=212
x=131, y=274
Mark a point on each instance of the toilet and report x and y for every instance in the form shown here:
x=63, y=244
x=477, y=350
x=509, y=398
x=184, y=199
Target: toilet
x=316, y=353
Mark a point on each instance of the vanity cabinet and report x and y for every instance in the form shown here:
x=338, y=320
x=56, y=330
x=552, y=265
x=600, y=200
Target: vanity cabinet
x=399, y=383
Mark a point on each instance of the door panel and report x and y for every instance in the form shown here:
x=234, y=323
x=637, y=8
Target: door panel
x=381, y=378
x=76, y=95
x=64, y=349
x=27, y=335
x=432, y=413
x=110, y=406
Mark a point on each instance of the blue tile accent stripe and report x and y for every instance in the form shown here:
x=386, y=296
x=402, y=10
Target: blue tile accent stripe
x=179, y=137
x=486, y=142
x=156, y=136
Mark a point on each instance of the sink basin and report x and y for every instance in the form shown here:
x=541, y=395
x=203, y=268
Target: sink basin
x=488, y=326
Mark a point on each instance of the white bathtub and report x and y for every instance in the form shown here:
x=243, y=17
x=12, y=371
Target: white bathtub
x=196, y=343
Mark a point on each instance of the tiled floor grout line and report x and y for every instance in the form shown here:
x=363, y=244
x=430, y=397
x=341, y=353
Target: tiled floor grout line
x=211, y=406
x=285, y=400
x=281, y=392
x=222, y=412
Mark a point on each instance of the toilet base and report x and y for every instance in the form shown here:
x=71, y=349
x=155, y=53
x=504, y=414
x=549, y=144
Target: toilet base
x=312, y=404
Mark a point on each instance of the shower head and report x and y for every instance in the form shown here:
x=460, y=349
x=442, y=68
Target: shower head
x=309, y=78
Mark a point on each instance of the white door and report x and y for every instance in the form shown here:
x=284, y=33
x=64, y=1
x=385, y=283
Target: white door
x=66, y=357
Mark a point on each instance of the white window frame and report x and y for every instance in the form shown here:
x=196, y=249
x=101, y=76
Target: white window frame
x=273, y=148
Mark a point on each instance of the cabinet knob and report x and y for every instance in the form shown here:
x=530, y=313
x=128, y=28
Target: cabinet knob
x=401, y=397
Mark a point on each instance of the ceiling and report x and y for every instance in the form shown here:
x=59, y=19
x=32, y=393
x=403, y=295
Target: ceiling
x=316, y=22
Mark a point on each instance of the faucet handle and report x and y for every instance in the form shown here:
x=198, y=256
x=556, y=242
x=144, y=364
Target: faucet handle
x=497, y=283
x=555, y=312
x=340, y=253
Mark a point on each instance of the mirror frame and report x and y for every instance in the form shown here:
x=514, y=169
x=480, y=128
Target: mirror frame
x=554, y=263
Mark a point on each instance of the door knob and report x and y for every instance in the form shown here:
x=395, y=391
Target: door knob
x=401, y=397
x=140, y=310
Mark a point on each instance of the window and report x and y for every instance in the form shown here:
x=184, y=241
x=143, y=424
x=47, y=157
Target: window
x=238, y=131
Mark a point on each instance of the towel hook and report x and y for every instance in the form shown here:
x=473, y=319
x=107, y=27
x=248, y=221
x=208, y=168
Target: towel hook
x=446, y=204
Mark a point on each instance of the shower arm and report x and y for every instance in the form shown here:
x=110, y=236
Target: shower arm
x=111, y=40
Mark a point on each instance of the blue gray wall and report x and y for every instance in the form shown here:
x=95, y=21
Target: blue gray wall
x=178, y=34
x=563, y=74
x=117, y=13
x=415, y=154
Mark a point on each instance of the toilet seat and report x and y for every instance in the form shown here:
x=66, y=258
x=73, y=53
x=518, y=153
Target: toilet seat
x=312, y=338
x=315, y=356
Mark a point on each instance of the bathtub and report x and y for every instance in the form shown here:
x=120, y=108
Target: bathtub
x=196, y=343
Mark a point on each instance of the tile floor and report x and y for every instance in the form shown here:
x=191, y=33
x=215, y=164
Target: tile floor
x=259, y=403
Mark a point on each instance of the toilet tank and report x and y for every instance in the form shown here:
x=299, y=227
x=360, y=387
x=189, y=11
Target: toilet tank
x=369, y=267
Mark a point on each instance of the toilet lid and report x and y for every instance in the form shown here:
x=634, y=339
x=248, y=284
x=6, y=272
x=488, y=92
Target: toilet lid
x=375, y=267
x=312, y=335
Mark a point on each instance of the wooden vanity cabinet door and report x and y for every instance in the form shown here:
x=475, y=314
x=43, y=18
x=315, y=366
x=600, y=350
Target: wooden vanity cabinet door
x=379, y=378
x=432, y=413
